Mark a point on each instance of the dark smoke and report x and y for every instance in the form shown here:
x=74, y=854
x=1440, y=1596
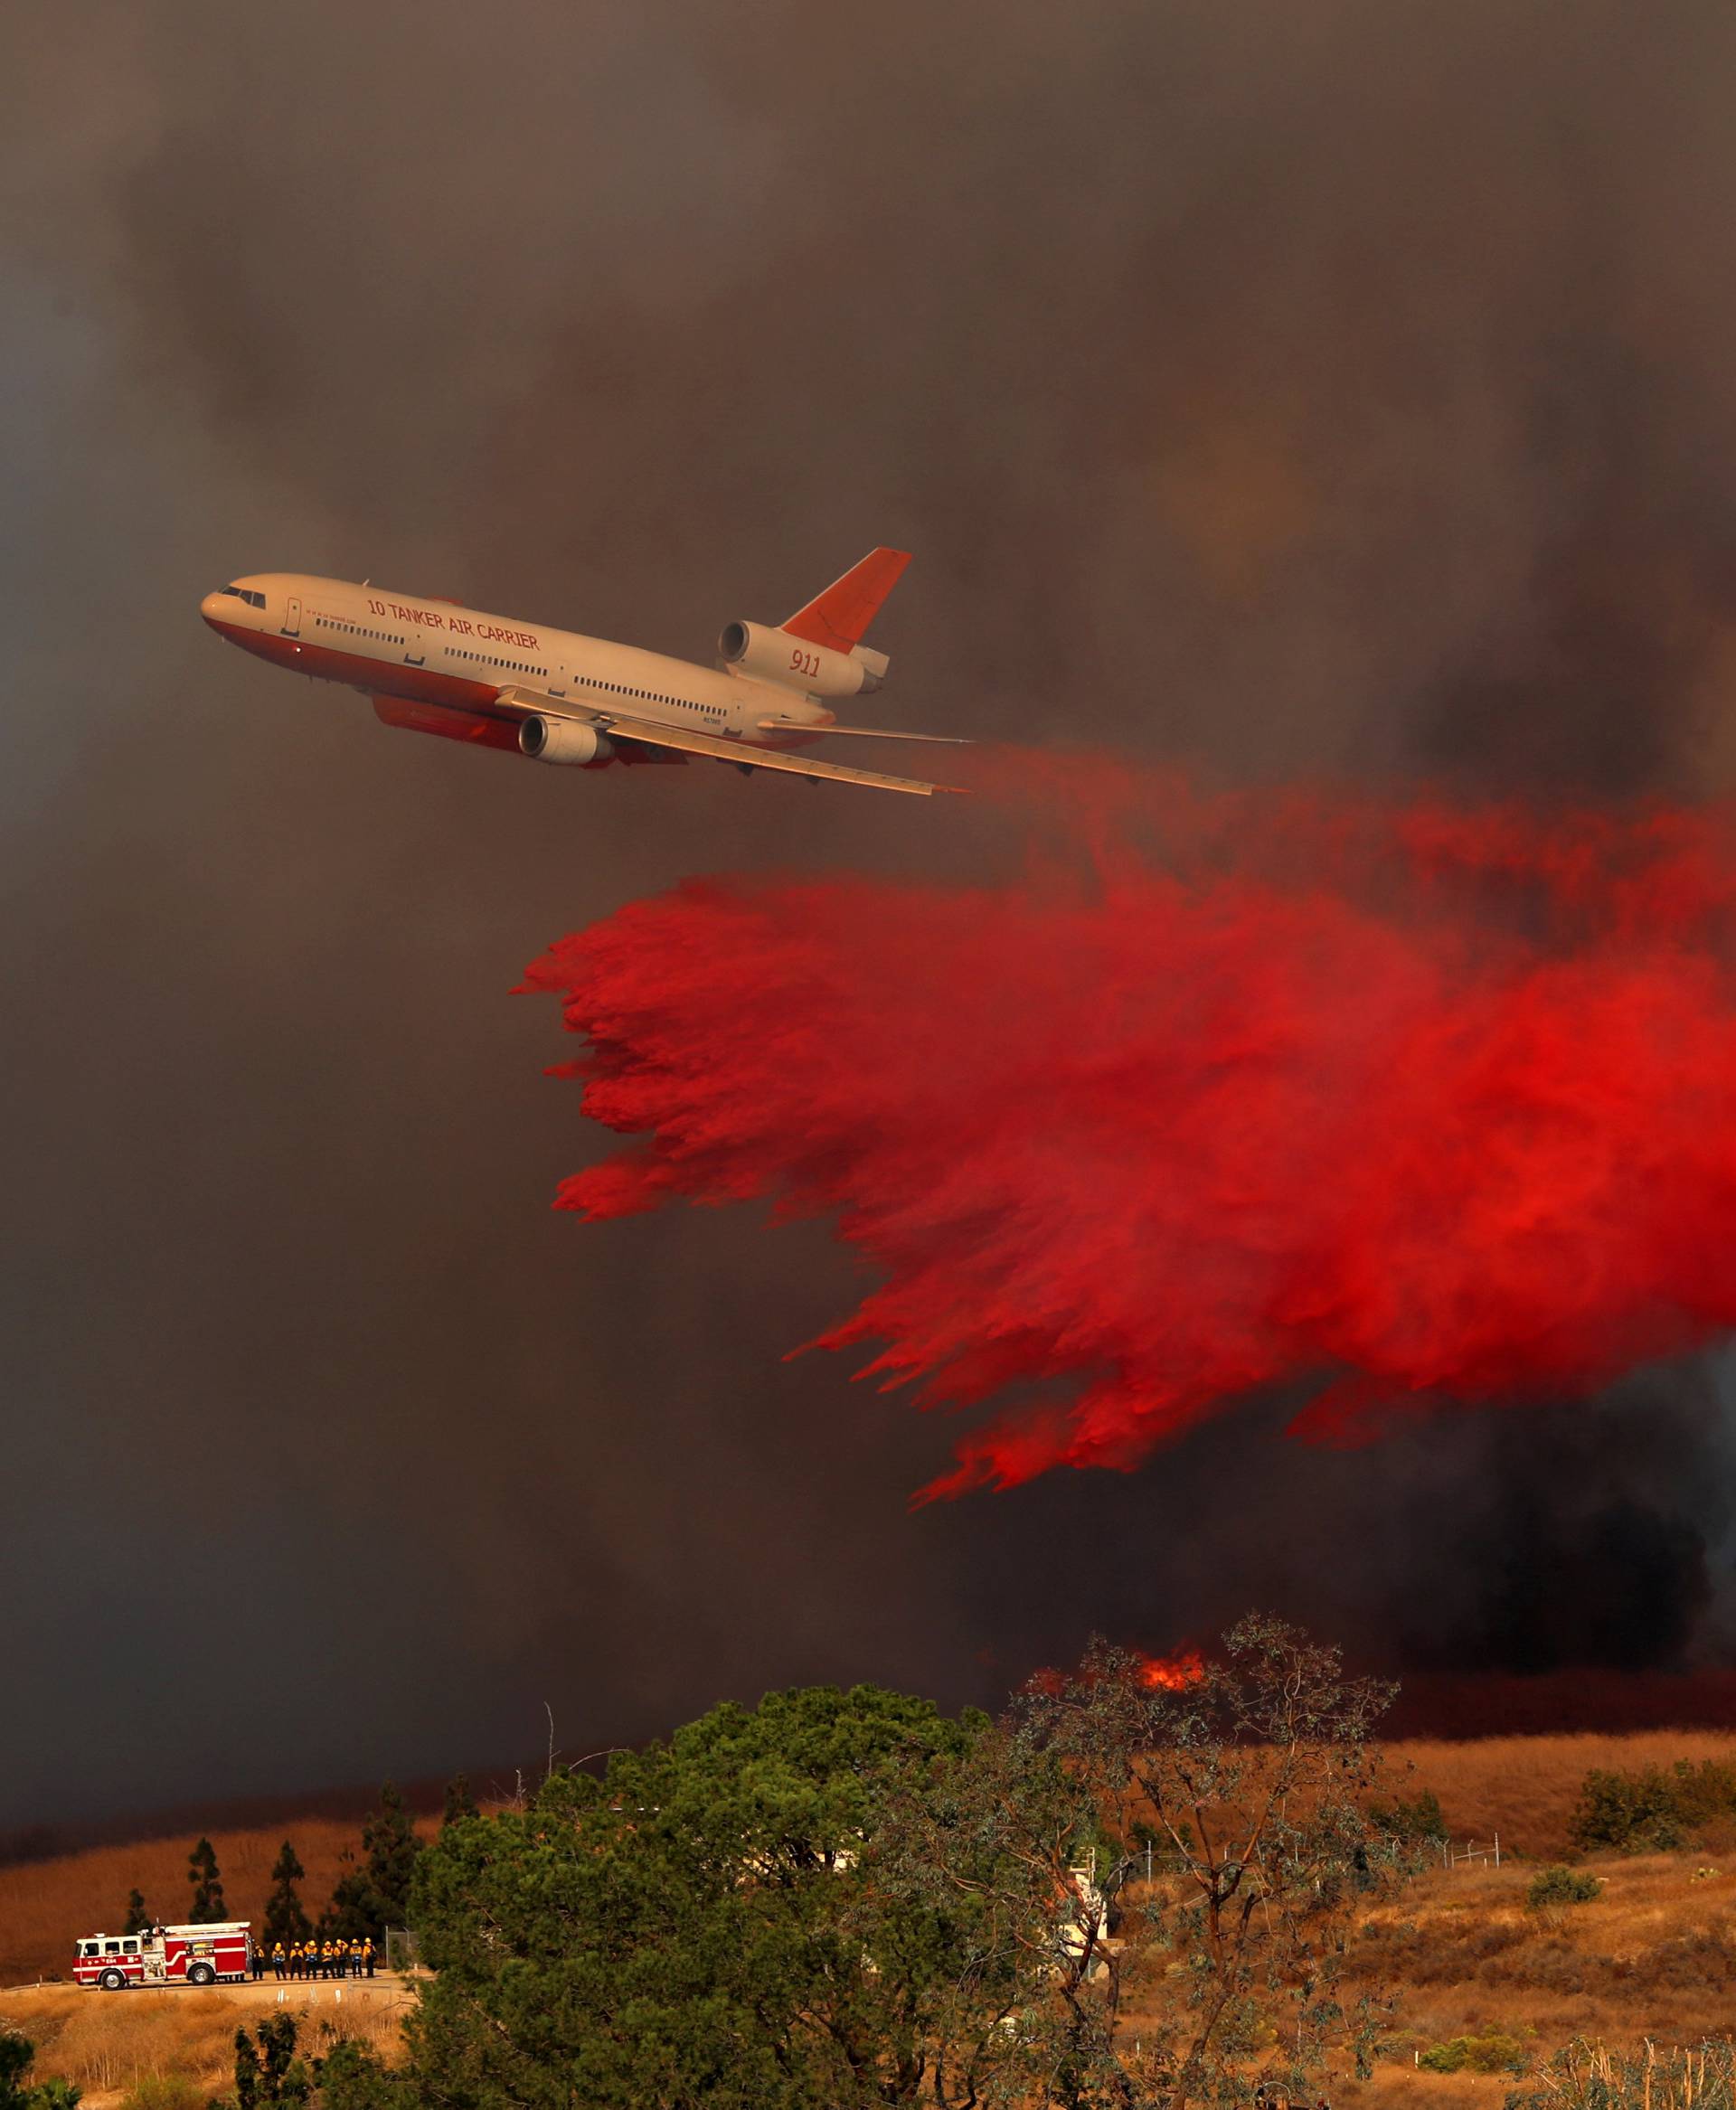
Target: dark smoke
x=1340, y=392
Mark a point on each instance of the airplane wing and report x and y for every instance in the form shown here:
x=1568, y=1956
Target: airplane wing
x=863, y=732
x=651, y=733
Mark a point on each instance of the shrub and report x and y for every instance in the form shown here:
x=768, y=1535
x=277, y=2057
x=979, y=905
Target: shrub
x=168, y=2091
x=1559, y=1886
x=1492, y=2053
x=1421, y=1818
x=1707, y=1792
x=1632, y=1812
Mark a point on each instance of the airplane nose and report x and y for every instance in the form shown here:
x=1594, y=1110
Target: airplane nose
x=210, y=607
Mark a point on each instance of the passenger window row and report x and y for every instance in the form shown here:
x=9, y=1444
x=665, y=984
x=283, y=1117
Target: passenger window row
x=356, y=630
x=513, y=666
x=651, y=696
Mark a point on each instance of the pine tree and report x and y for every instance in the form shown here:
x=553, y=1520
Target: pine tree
x=459, y=1802
x=138, y=1917
x=202, y=1873
x=285, y=1920
x=375, y=1895
x=269, y=2073
x=389, y=1841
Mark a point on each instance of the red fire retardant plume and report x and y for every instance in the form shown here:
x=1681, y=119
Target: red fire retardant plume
x=1431, y=1106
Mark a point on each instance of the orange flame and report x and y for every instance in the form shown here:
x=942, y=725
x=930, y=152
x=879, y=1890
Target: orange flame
x=1172, y=1674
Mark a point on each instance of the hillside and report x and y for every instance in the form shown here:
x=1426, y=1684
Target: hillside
x=1655, y=1955
x=108, y=2044
x=45, y=1905
x=1525, y=1787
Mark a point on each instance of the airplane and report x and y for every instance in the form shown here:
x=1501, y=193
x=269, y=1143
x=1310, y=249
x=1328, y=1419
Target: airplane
x=430, y=665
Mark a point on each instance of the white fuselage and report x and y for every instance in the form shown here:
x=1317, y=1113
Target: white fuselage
x=438, y=656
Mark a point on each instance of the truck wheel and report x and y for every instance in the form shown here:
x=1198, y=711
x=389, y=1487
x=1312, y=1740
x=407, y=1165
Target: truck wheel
x=111, y=1981
x=201, y=1974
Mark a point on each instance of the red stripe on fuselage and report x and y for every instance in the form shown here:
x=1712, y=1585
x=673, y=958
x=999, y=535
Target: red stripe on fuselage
x=457, y=708
x=383, y=677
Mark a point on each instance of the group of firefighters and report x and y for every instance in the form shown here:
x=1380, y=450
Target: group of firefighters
x=316, y=1960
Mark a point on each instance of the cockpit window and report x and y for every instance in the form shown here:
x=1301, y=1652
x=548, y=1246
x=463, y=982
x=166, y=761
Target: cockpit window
x=253, y=598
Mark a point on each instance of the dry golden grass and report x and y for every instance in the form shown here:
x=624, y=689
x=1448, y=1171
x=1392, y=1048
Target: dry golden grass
x=1655, y=1955
x=45, y=1905
x=1525, y=1787
x=109, y=2042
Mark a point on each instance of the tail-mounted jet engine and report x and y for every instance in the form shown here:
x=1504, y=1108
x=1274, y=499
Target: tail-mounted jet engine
x=564, y=740
x=765, y=654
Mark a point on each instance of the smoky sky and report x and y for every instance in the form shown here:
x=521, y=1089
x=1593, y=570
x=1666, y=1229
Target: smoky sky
x=1339, y=393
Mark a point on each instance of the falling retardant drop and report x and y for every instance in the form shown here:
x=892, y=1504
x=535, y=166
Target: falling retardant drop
x=1423, y=1105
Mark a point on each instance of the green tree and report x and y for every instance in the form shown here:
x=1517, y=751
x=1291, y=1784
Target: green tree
x=1004, y=1850
x=285, y=1920
x=267, y=2071
x=375, y=1895
x=459, y=1802
x=208, y=1905
x=138, y=1918
x=707, y=1924
x=1421, y=1818
x=1637, y=1811
x=388, y=1840
x=271, y=2074
x=16, y=2053
x=350, y=2077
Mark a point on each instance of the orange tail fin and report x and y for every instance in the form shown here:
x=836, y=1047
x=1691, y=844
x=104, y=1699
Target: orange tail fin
x=839, y=617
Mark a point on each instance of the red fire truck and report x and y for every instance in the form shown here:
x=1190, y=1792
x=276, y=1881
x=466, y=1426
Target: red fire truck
x=166, y=1955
